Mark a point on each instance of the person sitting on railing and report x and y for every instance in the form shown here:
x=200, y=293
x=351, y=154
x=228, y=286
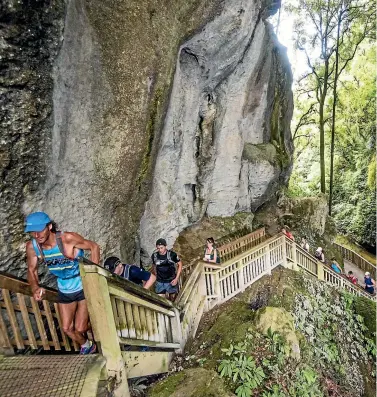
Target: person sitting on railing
x=285, y=230
x=370, y=284
x=319, y=254
x=60, y=252
x=132, y=273
x=352, y=278
x=335, y=266
x=210, y=253
x=167, y=266
x=304, y=244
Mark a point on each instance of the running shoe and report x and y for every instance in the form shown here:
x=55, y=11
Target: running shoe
x=89, y=350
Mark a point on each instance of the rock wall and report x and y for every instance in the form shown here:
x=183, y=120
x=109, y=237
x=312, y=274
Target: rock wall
x=226, y=145
x=30, y=38
x=102, y=116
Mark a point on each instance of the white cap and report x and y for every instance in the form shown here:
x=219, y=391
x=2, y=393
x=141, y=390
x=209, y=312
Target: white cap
x=367, y=273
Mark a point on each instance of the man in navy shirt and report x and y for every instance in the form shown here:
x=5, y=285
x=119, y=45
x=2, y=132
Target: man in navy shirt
x=129, y=272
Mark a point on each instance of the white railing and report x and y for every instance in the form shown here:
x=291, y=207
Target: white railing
x=310, y=264
x=357, y=259
x=228, y=279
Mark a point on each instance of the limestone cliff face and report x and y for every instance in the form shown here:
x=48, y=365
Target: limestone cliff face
x=122, y=133
x=226, y=143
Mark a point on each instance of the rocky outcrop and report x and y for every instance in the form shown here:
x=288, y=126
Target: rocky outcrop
x=226, y=144
x=94, y=126
x=30, y=38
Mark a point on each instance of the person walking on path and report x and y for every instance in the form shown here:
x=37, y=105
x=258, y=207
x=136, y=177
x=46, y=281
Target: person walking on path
x=320, y=255
x=335, y=266
x=210, y=253
x=370, y=284
x=130, y=272
x=285, y=230
x=304, y=244
x=352, y=278
x=60, y=251
x=167, y=267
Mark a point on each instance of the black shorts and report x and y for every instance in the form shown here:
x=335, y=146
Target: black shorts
x=69, y=298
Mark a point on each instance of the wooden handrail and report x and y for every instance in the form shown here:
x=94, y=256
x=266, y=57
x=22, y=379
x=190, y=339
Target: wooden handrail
x=135, y=289
x=20, y=285
x=357, y=259
x=41, y=320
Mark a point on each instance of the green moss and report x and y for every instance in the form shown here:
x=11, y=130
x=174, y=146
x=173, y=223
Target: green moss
x=167, y=386
x=367, y=309
x=256, y=153
x=231, y=324
x=150, y=131
x=281, y=321
x=196, y=382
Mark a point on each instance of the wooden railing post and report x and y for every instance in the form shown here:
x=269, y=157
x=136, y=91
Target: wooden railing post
x=176, y=329
x=102, y=320
x=217, y=289
x=241, y=278
x=284, y=248
x=268, y=259
x=294, y=256
x=320, y=271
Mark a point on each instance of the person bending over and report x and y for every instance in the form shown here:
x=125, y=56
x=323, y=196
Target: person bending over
x=60, y=251
x=167, y=266
x=130, y=272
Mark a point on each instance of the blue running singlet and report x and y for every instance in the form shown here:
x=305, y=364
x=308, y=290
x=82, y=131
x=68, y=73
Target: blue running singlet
x=65, y=269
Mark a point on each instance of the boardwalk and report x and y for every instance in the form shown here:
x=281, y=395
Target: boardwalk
x=58, y=376
x=349, y=266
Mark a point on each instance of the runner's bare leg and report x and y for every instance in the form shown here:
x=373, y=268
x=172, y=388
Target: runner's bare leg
x=67, y=314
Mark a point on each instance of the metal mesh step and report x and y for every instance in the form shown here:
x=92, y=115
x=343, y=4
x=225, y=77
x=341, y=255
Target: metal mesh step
x=35, y=376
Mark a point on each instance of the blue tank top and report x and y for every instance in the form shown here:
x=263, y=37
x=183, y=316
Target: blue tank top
x=369, y=284
x=66, y=270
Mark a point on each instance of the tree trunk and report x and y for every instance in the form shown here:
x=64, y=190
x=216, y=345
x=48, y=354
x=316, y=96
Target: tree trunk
x=322, y=127
x=336, y=76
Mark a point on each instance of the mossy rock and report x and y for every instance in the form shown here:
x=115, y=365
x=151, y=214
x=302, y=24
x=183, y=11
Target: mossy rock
x=194, y=382
x=229, y=324
x=367, y=309
x=281, y=321
x=258, y=153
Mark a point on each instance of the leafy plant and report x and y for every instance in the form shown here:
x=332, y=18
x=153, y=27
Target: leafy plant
x=241, y=369
x=306, y=384
x=274, y=391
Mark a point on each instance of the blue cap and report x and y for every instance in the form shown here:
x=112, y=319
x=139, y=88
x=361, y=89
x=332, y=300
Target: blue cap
x=36, y=222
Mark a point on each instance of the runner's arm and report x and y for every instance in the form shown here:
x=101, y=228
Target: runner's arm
x=179, y=270
x=79, y=241
x=140, y=274
x=150, y=281
x=32, y=271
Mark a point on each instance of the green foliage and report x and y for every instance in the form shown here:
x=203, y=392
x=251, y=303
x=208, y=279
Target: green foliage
x=274, y=391
x=241, y=369
x=247, y=378
x=336, y=333
x=354, y=202
x=277, y=346
x=306, y=384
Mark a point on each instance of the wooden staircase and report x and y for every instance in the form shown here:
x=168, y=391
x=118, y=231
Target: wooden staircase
x=137, y=331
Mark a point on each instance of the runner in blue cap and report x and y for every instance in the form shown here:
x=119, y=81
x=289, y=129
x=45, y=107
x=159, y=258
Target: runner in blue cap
x=60, y=252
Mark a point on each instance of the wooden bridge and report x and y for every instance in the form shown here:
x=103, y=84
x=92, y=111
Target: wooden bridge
x=127, y=319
